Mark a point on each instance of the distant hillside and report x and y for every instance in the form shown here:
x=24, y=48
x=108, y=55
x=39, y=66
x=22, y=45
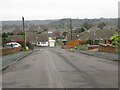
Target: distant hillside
x=28, y=22
x=61, y=21
x=54, y=25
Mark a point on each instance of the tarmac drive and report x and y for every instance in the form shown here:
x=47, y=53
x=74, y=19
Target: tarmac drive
x=57, y=68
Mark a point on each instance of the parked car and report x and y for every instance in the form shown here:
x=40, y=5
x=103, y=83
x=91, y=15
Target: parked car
x=14, y=44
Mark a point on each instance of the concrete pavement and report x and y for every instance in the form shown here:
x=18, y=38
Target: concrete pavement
x=54, y=67
x=109, y=56
x=8, y=59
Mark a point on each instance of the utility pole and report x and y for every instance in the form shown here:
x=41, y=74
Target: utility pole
x=23, y=31
x=119, y=16
x=117, y=28
x=71, y=28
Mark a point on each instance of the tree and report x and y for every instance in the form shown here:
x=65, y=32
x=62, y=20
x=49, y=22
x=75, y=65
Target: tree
x=101, y=25
x=10, y=34
x=89, y=42
x=82, y=29
x=21, y=33
x=4, y=34
x=38, y=33
x=115, y=39
x=87, y=25
x=64, y=33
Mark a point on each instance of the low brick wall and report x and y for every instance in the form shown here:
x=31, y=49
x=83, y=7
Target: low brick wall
x=93, y=47
x=10, y=50
x=106, y=48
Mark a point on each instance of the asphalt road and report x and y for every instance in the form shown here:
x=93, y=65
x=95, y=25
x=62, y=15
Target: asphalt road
x=57, y=68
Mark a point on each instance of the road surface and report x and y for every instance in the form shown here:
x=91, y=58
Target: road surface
x=57, y=68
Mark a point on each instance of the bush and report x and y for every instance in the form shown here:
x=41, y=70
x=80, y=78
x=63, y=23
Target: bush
x=115, y=39
x=38, y=33
x=4, y=34
x=64, y=33
x=21, y=33
x=82, y=29
x=10, y=34
x=5, y=40
x=89, y=42
x=30, y=46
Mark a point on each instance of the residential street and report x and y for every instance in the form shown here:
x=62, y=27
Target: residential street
x=57, y=68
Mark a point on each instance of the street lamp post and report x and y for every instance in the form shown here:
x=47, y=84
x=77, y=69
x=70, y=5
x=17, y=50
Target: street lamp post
x=25, y=39
x=23, y=31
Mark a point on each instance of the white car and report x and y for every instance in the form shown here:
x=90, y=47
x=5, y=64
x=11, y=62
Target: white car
x=14, y=44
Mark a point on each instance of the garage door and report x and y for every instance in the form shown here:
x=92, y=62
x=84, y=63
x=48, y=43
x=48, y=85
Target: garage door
x=51, y=44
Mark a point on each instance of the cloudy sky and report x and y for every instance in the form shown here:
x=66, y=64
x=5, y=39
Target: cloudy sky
x=57, y=9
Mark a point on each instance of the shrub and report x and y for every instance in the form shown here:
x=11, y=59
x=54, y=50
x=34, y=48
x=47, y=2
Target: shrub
x=21, y=33
x=4, y=34
x=115, y=39
x=89, y=42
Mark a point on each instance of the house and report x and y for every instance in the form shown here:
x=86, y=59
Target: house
x=67, y=43
x=40, y=39
x=42, y=44
x=52, y=42
x=98, y=36
x=15, y=31
x=75, y=36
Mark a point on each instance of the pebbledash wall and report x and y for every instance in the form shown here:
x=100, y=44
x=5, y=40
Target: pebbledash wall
x=10, y=50
x=109, y=48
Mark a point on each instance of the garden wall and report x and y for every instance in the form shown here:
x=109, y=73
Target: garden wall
x=10, y=50
x=106, y=48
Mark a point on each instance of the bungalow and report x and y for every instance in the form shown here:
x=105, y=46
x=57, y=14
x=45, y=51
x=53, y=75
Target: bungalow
x=42, y=44
x=98, y=36
x=40, y=39
x=52, y=42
